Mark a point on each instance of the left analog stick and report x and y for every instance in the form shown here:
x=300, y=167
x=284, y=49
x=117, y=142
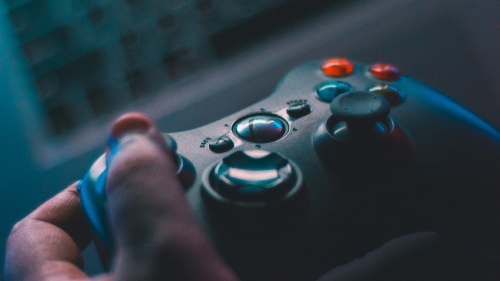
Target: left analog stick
x=254, y=176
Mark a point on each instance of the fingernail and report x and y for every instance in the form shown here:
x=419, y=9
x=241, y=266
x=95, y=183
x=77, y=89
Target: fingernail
x=126, y=124
x=130, y=122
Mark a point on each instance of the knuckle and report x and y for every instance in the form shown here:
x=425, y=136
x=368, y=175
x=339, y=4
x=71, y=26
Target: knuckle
x=18, y=226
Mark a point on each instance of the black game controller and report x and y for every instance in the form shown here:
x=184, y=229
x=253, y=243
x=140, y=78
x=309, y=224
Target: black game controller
x=340, y=159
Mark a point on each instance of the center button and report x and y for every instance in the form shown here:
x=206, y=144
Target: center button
x=260, y=128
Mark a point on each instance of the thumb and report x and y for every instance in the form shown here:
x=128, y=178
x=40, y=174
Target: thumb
x=156, y=234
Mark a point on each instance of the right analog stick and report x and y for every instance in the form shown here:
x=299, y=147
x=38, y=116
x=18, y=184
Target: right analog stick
x=360, y=114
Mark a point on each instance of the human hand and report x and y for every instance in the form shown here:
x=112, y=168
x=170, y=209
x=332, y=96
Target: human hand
x=157, y=236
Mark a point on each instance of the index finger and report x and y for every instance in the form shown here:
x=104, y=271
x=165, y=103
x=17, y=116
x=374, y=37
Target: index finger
x=47, y=243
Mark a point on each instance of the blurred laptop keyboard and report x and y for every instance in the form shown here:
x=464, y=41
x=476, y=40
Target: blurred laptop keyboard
x=89, y=58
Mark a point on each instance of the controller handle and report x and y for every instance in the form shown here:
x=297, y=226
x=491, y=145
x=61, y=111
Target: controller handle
x=92, y=189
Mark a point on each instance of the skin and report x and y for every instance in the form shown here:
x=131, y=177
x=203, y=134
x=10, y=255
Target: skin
x=143, y=194
x=156, y=234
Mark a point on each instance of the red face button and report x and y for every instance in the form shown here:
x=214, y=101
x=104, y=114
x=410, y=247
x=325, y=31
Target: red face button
x=337, y=67
x=385, y=71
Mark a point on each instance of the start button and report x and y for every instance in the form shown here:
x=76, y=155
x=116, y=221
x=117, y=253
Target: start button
x=260, y=128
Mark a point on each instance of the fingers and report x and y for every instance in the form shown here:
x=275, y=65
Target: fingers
x=47, y=243
x=157, y=235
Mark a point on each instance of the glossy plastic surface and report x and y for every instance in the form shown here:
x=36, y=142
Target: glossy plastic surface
x=435, y=170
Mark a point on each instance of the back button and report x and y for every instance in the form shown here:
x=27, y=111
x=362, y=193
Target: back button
x=221, y=144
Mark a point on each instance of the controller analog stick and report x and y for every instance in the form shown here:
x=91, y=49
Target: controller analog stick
x=360, y=114
x=254, y=176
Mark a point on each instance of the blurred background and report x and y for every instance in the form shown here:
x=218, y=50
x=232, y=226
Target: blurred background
x=68, y=67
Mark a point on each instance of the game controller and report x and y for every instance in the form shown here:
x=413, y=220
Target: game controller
x=340, y=159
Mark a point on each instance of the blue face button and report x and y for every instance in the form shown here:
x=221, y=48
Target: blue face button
x=260, y=128
x=329, y=90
